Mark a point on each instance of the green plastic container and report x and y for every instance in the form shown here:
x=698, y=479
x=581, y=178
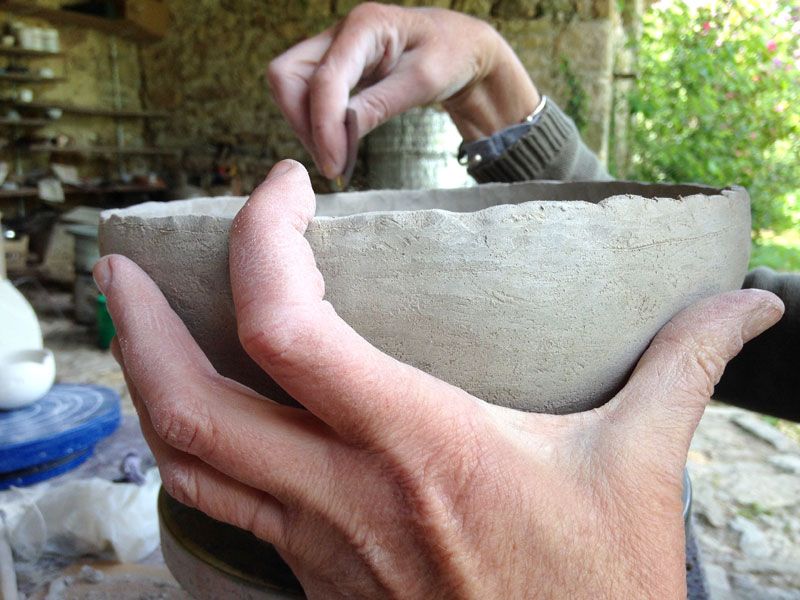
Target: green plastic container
x=105, y=326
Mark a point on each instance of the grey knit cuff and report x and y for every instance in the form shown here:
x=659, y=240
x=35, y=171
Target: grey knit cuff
x=552, y=149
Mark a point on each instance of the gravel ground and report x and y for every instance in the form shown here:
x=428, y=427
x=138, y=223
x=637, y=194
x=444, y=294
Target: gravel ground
x=745, y=471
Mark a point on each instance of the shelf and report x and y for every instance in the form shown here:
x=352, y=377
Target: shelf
x=24, y=77
x=94, y=112
x=28, y=53
x=25, y=122
x=25, y=192
x=89, y=150
x=120, y=188
x=121, y=27
x=72, y=190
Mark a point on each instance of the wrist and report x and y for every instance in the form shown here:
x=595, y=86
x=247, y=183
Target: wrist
x=501, y=94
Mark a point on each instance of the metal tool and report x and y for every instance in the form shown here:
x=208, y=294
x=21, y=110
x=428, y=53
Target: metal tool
x=341, y=182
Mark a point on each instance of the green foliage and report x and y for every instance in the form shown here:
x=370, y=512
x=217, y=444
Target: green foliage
x=781, y=252
x=718, y=101
x=576, y=106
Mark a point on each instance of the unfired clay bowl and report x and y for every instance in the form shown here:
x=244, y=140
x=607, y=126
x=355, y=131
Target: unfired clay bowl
x=537, y=296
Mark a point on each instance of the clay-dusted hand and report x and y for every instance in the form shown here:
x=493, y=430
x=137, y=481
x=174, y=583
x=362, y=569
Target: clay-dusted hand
x=397, y=58
x=393, y=484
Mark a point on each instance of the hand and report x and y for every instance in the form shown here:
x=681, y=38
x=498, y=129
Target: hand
x=397, y=58
x=393, y=483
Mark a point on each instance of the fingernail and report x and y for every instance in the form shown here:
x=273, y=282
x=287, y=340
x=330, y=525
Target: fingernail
x=280, y=168
x=102, y=275
x=764, y=315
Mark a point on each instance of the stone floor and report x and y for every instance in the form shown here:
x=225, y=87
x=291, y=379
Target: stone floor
x=745, y=473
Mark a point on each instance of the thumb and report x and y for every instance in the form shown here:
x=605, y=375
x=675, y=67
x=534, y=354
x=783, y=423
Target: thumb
x=288, y=328
x=657, y=412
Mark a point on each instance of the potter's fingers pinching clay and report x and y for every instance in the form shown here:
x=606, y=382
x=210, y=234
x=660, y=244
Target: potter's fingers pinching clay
x=351, y=127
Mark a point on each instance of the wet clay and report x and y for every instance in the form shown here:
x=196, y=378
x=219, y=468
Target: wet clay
x=538, y=296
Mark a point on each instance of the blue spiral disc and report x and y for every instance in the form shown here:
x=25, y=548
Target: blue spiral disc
x=59, y=428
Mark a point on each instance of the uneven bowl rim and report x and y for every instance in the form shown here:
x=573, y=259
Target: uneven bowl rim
x=133, y=214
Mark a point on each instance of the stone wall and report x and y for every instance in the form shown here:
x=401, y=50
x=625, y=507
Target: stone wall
x=209, y=74
x=209, y=71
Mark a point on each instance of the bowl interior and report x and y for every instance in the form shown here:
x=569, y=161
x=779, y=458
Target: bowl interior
x=461, y=200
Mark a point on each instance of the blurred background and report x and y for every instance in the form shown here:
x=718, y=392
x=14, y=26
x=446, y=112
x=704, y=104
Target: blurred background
x=108, y=103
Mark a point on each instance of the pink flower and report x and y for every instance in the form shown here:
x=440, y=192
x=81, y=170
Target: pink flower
x=707, y=26
x=772, y=46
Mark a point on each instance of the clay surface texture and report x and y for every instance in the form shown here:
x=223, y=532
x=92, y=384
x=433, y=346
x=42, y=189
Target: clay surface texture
x=538, y=296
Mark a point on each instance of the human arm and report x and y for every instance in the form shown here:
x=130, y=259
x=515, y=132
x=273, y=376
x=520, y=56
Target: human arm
x=393, y=59
x=392, y=483
x=765, y=377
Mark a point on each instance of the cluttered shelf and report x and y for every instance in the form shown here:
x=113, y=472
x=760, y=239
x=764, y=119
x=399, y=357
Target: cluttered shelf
x=28, y=52
x=124, y=27
x=104, y=150
x=87, y=190
x=118, y=188
x=91, y=110
x=29, y=78
x=24, y=192
x=22, y=122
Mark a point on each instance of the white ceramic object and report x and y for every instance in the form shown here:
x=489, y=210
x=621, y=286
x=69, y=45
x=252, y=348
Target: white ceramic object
x=19, y=327
x=27, y=370
x=538, y=296
x=25, y=376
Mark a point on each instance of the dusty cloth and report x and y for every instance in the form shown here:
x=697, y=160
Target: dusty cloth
x=765, y=377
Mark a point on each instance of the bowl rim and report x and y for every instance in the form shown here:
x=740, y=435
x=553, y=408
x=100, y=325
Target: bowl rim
x=163, y=215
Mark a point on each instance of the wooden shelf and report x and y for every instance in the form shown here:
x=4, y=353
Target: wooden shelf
x=90, y=150
x=27, y=52
x=72, y=190
x=25, y=122
x=26, y=78
x=119, y=188
x=25, y=192
x=121, y=27
x=93, y=111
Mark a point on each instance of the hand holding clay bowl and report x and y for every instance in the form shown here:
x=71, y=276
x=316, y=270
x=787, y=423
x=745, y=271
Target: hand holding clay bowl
x=536, y=296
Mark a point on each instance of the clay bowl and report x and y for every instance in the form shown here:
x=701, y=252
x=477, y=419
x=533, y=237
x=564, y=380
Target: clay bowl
x=537, y=296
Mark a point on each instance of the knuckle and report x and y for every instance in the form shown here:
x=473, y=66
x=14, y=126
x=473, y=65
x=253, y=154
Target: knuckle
x=376, y=110
x=276, y=76
x=711, y=364
x=276, y=71
x=427, y=76
x=324, y=75
x=699, y=352
x=180, y=481
x=185, y=427
x=276, y=338
x=265, y=525
x=367, y=11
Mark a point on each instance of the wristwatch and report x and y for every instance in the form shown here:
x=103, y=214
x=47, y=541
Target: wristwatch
x=489, y=148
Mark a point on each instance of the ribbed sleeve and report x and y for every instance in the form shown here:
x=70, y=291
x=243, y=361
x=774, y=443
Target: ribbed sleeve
x=552, y=149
